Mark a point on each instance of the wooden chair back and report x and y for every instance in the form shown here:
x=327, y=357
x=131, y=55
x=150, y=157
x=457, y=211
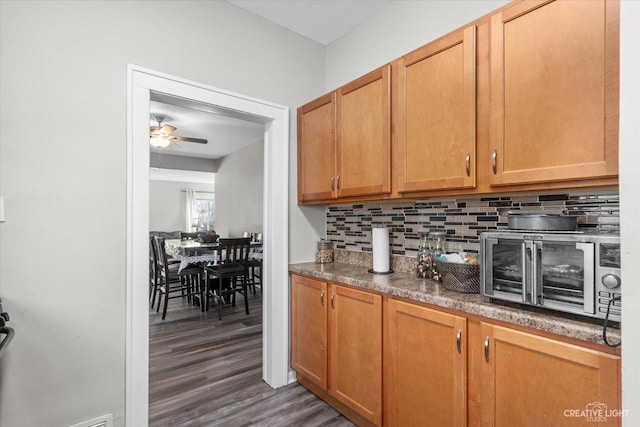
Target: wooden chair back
x=234, y=251
x=161, y=253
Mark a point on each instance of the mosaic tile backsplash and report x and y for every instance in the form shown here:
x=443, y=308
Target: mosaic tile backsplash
x=463, y=219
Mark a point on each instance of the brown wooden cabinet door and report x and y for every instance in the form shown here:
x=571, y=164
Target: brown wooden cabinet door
x=309, y=329
x=317, y=149
x=427, y=363
x=436, y=120
x=529, y=380
x=356, y=351
x=364, y=137
x=554, y=91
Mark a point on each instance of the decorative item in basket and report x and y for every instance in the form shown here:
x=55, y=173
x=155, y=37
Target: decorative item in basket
x=208, y=237
x=461, y=276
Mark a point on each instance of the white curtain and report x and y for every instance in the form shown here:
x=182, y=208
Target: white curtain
x=190, y=212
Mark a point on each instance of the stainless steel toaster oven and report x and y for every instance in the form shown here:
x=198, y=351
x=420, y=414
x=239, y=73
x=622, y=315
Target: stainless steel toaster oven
x=574, y=272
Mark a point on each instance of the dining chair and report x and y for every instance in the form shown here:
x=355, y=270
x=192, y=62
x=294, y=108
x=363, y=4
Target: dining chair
x=154, y=268
x=174, y=283
x=229, y=275
x=255, y=273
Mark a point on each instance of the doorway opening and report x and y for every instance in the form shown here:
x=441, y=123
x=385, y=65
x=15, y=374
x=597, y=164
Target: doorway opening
x=140, y=84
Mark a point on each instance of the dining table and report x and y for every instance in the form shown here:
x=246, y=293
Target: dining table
x=191, y=251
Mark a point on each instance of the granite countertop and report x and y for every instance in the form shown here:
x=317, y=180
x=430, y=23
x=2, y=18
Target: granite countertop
x=406, y=285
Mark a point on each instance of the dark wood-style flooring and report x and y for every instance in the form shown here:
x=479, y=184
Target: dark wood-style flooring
x=207, y=372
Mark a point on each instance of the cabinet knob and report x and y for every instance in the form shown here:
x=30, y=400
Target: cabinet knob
x=459, y=341
x=494, y=157
x=332, y=297
x=333, y=178
x=338, y=182
x=322, y=297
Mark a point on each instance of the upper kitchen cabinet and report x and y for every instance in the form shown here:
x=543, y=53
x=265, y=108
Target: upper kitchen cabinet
x=317, y=149
x=436, y=131
x=364, y=135
x=344, y=141
x=554, y=92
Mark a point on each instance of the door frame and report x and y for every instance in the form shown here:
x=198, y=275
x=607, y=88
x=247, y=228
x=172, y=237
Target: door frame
x=275, y=335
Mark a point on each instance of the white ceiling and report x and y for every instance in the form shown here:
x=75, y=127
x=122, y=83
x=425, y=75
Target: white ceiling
x=224, y=134
x=321, y=20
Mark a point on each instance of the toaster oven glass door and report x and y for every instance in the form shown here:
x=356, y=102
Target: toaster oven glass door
x=557, y=274
x=563, y=276
x=507, y=270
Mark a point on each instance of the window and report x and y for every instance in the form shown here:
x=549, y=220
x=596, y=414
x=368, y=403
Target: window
x=203, y=211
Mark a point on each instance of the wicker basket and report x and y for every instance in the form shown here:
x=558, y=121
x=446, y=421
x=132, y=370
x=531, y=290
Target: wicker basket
x=460, y=277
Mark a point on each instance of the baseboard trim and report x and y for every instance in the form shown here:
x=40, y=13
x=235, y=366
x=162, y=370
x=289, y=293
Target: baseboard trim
x=292, y=377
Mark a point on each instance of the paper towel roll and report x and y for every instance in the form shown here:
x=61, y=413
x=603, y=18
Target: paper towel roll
x=380, y=244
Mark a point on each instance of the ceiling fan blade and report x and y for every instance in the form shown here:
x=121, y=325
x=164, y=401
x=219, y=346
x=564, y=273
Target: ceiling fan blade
x=167, y=129
x=174, y=145
x=187, y=139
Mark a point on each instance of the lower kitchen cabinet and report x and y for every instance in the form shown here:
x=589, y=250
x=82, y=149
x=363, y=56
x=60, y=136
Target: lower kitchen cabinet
x=427, y=367
x=349, y=369
x=356, y=350
x=528, y=380
x=309, y=329
x=442, y=368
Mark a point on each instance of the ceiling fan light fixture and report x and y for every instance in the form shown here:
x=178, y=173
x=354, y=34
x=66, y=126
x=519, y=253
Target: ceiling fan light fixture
x=159, y=141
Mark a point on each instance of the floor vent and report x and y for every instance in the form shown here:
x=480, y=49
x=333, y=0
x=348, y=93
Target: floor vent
x=102, y=421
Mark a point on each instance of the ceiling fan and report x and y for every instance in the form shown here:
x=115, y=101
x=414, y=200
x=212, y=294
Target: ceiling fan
x=160, y=136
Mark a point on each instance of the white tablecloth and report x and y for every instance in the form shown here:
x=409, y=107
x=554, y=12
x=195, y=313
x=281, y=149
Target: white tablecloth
x=181, y=253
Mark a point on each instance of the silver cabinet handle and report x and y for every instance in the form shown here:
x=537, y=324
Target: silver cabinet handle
x=322, y=297
x=459, y=341
x=338, y=182
x=468, y=164
x=494, y=157
x=486, y=349
x=332, y=297
x=332, y=181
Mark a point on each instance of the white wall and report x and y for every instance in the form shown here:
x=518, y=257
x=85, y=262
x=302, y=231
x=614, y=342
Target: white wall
x=167, y=204
x=161, y=160
x=630, y=206
x=239, y=192
x=63, y=70
x=398, y=28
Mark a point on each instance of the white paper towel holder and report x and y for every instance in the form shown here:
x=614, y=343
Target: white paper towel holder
x=380, y=251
